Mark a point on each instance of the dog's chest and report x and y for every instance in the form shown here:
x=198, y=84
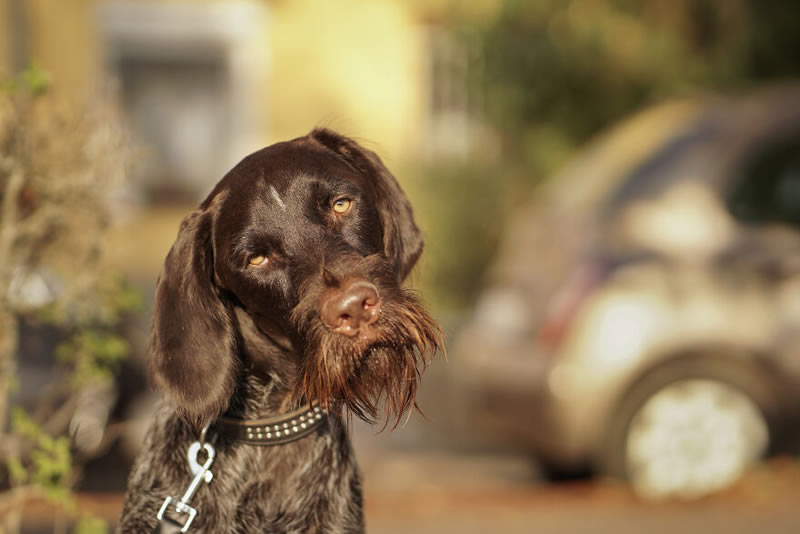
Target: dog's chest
x=305, y=488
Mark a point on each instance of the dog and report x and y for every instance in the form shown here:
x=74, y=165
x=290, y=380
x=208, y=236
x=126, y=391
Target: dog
x=283, y=288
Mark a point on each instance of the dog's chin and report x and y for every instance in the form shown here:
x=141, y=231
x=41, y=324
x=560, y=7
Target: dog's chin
x=364, y=373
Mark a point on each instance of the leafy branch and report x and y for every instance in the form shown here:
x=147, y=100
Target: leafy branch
x=59, y=166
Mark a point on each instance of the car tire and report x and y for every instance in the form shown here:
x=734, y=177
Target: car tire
x=690, y=428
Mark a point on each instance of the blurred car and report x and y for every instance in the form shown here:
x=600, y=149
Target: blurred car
x=642, y=318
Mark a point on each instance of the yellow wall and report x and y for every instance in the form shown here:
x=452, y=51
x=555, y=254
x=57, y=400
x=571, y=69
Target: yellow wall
x=61, y=39
x=68, y=47
x=354, y=65
x=5, y=53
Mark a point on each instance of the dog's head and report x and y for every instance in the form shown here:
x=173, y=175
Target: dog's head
x=312, y=239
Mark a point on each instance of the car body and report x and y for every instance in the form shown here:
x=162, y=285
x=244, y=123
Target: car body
x=642, y=317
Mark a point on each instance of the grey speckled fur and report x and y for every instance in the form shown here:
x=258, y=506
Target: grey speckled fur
x=311, y=485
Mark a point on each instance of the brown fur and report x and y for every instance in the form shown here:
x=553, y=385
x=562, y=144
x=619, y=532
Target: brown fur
x=230, y=338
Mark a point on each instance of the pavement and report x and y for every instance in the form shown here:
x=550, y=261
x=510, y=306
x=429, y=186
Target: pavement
x=423, y=492
x=429, y=493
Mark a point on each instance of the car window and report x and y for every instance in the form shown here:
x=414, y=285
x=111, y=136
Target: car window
x=654, y=173
x=769, y=188
x=609, y=159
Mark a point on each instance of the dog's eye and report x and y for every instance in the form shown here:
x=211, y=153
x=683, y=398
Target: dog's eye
x=258, y=260
x=342, y=205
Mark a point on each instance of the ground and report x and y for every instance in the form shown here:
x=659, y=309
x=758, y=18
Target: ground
x=425, y=491
x=442, y=493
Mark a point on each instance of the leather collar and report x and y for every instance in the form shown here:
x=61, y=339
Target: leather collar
x=277, y=430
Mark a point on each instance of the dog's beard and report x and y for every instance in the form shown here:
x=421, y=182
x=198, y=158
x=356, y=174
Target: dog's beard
x=362, y=375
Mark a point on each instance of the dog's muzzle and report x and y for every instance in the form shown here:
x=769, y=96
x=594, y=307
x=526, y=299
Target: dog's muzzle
x=351, y=309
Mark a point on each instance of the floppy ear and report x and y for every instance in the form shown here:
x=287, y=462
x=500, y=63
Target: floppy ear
x=193, y=341
x=402, y=240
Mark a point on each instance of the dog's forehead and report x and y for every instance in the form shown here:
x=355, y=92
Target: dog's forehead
x=285, y=197
x=290, y=192
x=289, y=170
x=277, y=185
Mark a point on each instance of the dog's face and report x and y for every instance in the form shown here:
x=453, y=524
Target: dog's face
x=311, y=239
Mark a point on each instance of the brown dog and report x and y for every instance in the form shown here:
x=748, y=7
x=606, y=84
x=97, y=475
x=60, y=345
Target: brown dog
x=282, y=288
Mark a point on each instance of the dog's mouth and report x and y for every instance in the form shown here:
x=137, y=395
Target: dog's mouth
x=375, y=364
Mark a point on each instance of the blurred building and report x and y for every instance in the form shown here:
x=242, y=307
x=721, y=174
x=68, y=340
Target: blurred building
x=205, y=83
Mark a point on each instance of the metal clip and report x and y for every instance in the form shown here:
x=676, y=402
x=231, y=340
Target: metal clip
x=201, y=474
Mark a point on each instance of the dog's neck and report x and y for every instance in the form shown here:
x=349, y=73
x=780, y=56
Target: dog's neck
x=268, y=373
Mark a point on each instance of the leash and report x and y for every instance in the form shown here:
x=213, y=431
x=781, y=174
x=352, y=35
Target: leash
x=202, y=473
x=272, y=431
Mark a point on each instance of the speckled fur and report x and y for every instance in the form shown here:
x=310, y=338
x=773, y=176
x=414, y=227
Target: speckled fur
x=311, y=485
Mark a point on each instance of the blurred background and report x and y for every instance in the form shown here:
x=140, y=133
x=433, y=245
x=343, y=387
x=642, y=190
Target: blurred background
x=610, y=193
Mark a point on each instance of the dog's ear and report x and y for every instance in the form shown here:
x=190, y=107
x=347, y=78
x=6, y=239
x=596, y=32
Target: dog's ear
x=402, y=240
x=193, y=341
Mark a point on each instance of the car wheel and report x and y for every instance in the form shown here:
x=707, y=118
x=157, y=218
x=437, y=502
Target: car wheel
x=688, y=437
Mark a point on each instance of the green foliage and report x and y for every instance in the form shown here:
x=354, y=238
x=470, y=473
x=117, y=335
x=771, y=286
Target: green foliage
x=93, y=350
x=12, y=383
x=105, y=303
x=93, y=354
x=91, y=525
x=460, y=206
x=554, y=72
x=49, y=464
x=62, y=163
x=33, y=80
x=17, y=471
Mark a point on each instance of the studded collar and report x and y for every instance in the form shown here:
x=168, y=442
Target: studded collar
x=277, y=430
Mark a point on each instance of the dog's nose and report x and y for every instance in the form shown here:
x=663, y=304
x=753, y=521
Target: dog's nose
x=345, y=310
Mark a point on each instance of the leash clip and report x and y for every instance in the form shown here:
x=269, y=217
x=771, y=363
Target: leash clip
x=201, y=473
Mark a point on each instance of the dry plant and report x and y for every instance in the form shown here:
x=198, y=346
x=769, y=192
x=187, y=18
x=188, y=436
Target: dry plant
x=59, y=166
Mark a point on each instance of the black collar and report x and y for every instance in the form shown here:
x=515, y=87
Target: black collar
x=277, y=430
